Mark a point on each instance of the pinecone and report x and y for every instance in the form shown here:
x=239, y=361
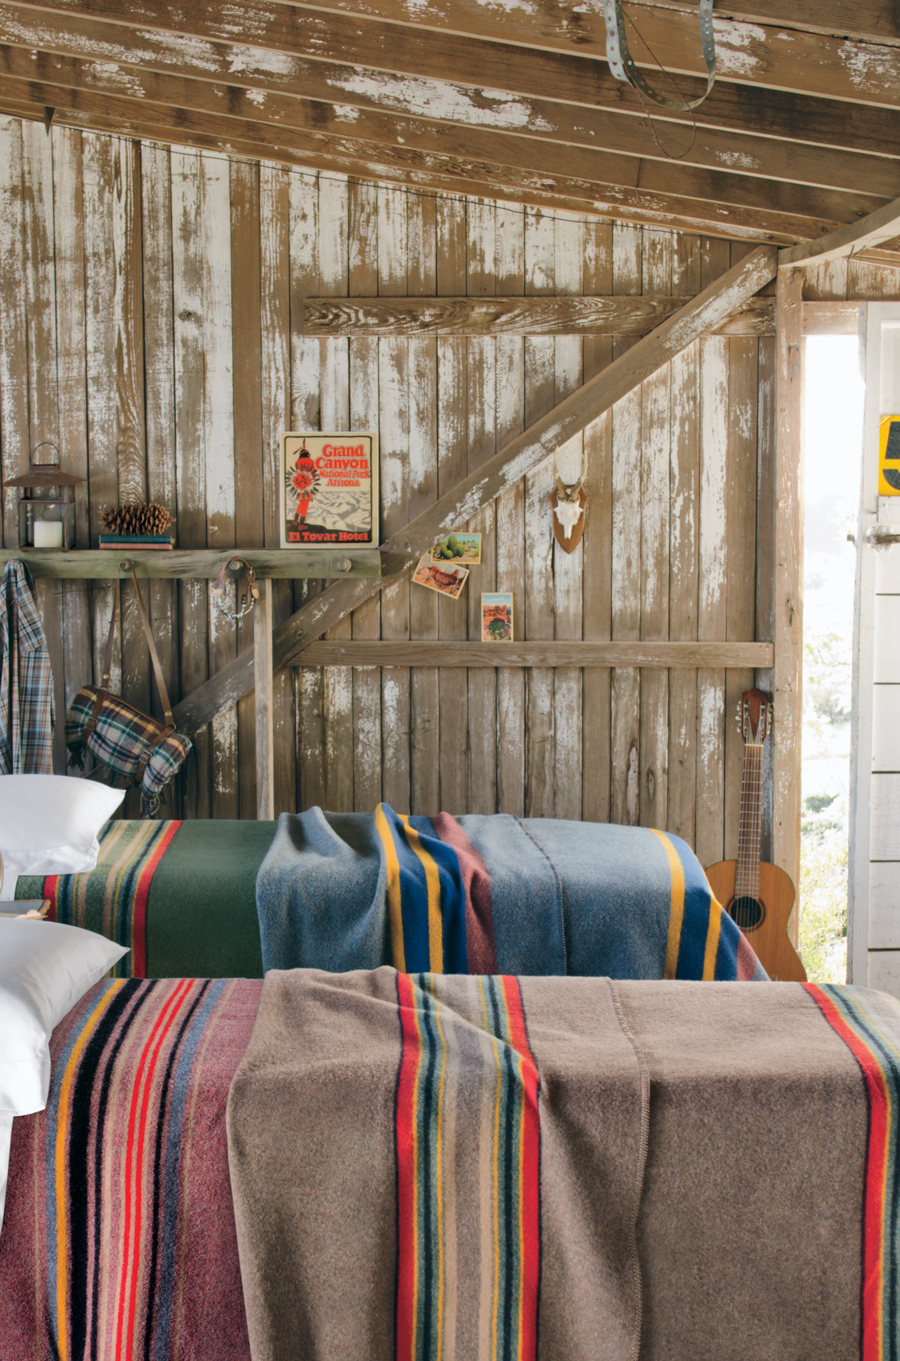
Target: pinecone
x=136, y=518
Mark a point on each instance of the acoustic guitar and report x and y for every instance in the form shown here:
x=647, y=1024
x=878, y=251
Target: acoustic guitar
x=757, y=896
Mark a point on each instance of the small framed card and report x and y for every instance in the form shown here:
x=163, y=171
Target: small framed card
x=459, y=547
x=496, y=616
x=444, y=577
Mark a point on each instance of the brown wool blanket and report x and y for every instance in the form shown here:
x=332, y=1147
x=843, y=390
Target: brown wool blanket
x=467, y=1168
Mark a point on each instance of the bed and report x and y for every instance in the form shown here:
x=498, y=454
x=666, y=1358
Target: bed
x=473, y=1151
x=222, y=899
x=377, y=1127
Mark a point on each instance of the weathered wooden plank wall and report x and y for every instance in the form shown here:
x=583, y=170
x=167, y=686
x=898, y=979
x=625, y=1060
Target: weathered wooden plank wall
x=151, y=323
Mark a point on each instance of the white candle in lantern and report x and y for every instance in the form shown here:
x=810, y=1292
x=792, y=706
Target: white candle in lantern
x=48, y=534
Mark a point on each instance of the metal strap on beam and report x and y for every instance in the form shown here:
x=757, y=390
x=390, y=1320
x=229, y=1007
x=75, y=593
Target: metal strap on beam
x=621, y=62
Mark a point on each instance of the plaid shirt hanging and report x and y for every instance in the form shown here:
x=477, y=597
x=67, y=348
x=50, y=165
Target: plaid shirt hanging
x=27, y=711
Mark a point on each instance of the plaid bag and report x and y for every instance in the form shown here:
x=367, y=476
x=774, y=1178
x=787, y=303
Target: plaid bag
x=129, y=743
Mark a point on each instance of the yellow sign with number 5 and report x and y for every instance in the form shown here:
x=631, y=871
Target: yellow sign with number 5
x=889, y=456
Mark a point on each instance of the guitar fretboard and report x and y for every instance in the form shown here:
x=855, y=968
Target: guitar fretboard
x=746, y=882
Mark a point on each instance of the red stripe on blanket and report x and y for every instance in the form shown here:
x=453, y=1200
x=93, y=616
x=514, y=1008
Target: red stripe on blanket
x=480, y=952
x=50, y=890
x=136, y=1153
x=876, y=1167
x=407, y=1130
x=530, y=1165
x=141, y=894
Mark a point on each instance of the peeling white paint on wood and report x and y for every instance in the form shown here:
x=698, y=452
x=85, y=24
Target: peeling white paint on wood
x=714, y=415
x=437, y=402
x=218, y=345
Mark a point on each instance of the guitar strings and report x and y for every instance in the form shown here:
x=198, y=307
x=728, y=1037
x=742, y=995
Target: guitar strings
x=747, y=875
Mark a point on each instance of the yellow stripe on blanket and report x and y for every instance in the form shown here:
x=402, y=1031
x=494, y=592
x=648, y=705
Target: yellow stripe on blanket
x=394, y=896
x=712, y=941
x=676, y=908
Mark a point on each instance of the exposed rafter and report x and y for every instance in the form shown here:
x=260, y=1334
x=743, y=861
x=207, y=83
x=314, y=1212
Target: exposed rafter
x=881, y=226
x=334, y=101
x=556, y=87
x=875, y=21
x=800, y=136
x=784, y=59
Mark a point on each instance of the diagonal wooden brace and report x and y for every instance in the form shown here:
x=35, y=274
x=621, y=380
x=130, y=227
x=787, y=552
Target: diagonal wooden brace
x=703, y=313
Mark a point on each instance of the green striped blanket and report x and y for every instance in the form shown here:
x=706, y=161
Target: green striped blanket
x=180, y=895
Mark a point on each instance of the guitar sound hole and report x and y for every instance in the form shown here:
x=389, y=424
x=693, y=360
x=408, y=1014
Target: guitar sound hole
x=747, y=912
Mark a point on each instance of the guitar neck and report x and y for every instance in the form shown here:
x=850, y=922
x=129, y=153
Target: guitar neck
x=746, y=883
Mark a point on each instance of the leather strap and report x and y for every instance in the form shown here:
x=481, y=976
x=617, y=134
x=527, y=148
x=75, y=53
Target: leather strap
x=223, y=576
x=107, y=659
x=154, y=656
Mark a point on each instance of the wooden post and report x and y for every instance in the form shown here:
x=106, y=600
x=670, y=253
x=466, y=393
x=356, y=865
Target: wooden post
x=788, y=577
x=262, y=672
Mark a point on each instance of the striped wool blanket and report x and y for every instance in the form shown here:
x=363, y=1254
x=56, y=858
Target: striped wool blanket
x=118, y=1242
x=461, y=1168
x=180, y=895
x=489, y=894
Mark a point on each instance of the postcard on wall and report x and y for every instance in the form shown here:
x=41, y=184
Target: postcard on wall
x=496, y=617
x=441, y=576
x=329, y=490
x=461, y=547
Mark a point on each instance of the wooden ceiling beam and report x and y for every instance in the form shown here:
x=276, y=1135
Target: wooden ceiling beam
x=508, y=92
x=424, y=175
x=780, y=59
x=382, y=122
x=874, y=21
x=504, y=470
x=464, y=153
x=879, y=227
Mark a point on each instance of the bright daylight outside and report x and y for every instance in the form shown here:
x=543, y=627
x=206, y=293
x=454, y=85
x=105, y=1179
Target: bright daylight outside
x=833, y=422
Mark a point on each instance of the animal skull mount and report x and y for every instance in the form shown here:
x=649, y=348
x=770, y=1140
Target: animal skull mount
x=568, y=502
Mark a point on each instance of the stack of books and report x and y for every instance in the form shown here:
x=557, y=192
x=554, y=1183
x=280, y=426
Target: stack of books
x=142, y=541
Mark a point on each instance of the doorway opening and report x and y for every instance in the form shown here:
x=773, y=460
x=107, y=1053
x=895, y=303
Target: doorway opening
x=834, y=394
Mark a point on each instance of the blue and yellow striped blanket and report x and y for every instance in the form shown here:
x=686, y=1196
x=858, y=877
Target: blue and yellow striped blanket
x=491, y=894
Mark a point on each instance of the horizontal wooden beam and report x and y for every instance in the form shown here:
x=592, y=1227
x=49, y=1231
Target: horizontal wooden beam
x=452, y=77
x=549, y=316
x=94, y=563
x=830, y=318
x=872, y=21
x=668, y=655
x=504, y=470
x=785, y=58
x=873, y=231
x=412, y=111
x=514, y=316
x=453, y=175
x=452, y=148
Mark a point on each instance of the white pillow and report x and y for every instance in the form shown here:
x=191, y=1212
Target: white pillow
x=5, y=1137
x=49, y=823
x=45, y=968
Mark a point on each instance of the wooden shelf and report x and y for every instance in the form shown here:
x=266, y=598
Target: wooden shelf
x=427, y=652
x=83, y=563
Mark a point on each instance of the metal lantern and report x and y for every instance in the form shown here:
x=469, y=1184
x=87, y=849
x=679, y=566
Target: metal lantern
x=46, y=522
